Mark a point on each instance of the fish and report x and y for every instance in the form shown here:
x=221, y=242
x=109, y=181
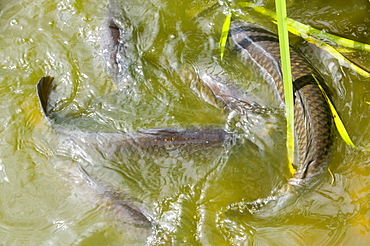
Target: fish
x=259, y=49
x=117, y=45
x=313, y=120
x=159, y=140
x=142, y=145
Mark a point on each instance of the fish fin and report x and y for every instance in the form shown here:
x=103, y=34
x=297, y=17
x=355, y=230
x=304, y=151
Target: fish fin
x=44, y=87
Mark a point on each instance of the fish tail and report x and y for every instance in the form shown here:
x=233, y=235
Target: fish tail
x=44, y=87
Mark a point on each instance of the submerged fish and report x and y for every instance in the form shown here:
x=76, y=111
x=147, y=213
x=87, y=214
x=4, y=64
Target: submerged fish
x=259, y=49
x=143, y=145
x=157, y=141
x=117, y=45
x=313, y=121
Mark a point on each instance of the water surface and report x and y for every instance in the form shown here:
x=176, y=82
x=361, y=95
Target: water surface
x=45, y=202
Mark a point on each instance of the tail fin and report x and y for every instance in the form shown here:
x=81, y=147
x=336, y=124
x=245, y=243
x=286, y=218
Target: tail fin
x=44, y=87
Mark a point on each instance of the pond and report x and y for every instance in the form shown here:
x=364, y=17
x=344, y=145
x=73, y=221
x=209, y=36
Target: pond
x=46, y=200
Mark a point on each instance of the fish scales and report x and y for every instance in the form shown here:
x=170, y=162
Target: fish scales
x=312, y=116
x=146, y=145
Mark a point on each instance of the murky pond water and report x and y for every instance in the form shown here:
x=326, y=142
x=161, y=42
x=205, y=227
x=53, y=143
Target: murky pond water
x=45, y=201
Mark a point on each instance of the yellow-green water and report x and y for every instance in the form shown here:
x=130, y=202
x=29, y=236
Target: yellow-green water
x=43, y=203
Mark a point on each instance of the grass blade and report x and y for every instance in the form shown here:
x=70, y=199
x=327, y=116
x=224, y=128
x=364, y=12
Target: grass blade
x=331, y=50
x=338, y=122
x=225, y=33
x=287, y=78
x=306, y=30
x=311, y=35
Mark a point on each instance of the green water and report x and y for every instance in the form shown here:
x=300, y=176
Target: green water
x=43, y=202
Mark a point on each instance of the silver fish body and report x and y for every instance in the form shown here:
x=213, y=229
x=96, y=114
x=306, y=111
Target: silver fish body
x=133, y=148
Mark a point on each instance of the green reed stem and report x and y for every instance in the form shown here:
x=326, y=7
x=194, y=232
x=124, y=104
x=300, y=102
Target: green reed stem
x=287, y=77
